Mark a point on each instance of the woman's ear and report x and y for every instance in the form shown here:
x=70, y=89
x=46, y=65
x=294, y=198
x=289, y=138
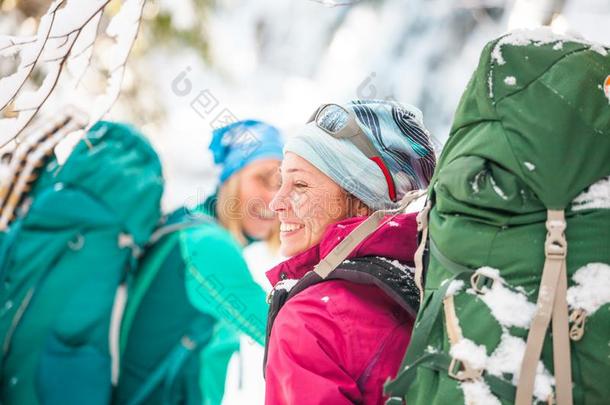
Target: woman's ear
x=362, y=208
x=357, y=208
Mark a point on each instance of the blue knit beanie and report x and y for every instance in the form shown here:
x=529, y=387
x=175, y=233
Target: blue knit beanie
x=237, y=145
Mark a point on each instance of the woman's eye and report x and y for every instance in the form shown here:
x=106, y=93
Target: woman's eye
x=300, y=185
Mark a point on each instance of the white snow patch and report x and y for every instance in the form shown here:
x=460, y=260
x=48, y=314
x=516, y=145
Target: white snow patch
x=510, y=308
x=455, y=287
x=530, y=166
x=469, y=352
x=596, y=196
x=507, y=358
x=538, y=37
x=340, y=226
x=497, y=189
x=592, y=288
x=393, y=224
x=510, y=80
x=475, y=182
x=431, y=349
x=477, y=392
x=286, y=284
x=490, y=84
x=599, y=49
x=325, y=298
x=397, y=264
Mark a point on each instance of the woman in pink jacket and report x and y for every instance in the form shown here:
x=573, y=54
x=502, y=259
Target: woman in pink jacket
x=336, y=340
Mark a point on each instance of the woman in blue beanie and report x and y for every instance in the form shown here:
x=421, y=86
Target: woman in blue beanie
x=193, y=293
x=249, y=153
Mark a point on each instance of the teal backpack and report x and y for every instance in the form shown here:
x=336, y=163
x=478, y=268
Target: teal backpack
x=191, y=297
x=516, y=235
x=162, y=333
x=68, y=244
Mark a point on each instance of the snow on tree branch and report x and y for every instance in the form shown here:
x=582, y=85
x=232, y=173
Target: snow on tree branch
x=63, y=43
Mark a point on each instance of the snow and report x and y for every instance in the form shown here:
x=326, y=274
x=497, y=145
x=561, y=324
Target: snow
x=530, y=166
x=538, y=37
x=596, y=196
x=475, y=182
x=397, y=264
x=599, y=49
x=478, y=393
x=326, y=298
x=507, y=358
x=497, y=189
x=591, y=289
x=510, y=308
x=455, y=287
x=393, y=224
x=510, y=80
x=469, y=352
x=286, y=284
x=490, y=83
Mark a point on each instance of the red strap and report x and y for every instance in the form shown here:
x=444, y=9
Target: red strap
x=388, y=177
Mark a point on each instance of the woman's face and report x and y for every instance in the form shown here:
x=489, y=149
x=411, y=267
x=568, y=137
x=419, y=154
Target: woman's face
x=306, y=203
x=258, y=184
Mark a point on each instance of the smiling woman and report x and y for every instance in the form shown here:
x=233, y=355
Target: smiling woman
x=337, y=340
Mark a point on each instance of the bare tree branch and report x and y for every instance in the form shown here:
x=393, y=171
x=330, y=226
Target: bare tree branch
x=65, y=42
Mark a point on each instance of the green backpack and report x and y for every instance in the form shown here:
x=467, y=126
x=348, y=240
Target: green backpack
x=62, y=259
x=163, y=333
x=191, y=296
x=516, y=233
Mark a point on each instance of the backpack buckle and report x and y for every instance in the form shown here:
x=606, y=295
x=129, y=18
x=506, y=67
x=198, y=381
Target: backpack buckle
x=188, y=343
x=461, y=371
x=555, y=246
x=480, y=281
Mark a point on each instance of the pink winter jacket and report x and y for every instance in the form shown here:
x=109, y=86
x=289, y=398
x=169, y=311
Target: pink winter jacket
x=337, y=342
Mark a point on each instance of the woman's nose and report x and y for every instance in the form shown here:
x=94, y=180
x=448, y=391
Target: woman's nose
x=278, y=202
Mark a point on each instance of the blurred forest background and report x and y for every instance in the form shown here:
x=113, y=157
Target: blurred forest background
x=277, y=60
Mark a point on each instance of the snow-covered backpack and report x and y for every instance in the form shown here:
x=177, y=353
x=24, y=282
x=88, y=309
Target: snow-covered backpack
x=71, y=233
x=515, y=246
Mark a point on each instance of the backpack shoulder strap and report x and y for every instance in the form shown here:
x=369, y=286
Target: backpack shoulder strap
x=164, y=230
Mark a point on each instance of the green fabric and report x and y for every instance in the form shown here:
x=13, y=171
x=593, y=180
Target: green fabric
x=196, y=272
x=489, y=206
x=155, y=323
x=65, y=251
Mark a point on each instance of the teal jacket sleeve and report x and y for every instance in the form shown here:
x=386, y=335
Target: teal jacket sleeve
x=219, y=283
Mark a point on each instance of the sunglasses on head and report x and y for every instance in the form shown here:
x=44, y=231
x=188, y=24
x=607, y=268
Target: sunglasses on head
x=341, y=123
